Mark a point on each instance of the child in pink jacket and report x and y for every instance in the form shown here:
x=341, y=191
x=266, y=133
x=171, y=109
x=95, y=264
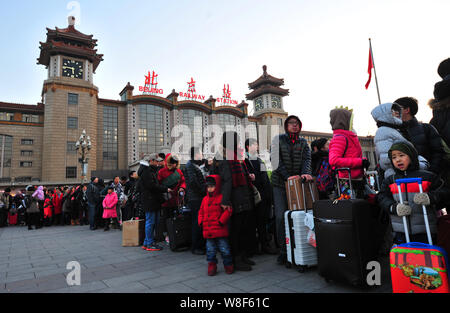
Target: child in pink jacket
x=345, y=149
x=109, y=208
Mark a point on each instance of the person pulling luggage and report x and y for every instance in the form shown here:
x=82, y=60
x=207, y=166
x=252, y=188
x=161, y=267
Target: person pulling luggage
x=404, y=158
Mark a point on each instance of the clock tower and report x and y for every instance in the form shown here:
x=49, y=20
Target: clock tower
x=70, y=101
x=267, y=97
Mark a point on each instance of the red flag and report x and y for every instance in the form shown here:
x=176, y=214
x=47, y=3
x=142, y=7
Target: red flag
x=370, y=68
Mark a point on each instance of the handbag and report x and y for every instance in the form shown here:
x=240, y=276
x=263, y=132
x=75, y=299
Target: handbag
x=256, y=196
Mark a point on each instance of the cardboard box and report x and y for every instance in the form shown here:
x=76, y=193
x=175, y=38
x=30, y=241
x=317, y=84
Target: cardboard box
x=295, y=191
x=133, y=233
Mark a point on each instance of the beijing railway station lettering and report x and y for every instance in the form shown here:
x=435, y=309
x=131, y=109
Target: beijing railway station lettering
x=226, y=98
x=191, y=94
x=151, y=84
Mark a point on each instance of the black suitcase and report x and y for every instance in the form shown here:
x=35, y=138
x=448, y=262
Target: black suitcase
x=349, y=234
x=179, y=229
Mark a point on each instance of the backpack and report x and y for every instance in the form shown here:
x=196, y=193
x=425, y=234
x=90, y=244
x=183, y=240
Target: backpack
x=325, y=178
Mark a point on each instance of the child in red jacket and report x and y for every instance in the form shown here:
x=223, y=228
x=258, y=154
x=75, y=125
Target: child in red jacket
x=214, y=219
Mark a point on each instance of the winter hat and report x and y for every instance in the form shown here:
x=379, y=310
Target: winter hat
x=442, y=89
x=408, y=102
x=444, y=68
x=341, y=118
x=292, y=117
x=407, y=148
x=7, y=189
x=210, y=181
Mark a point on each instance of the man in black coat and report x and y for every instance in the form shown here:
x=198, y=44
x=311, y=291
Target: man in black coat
x=237, y=195
x=196, y=191
x=93, y=199
x=424, y=137
x=151, y=196
x=262, y=182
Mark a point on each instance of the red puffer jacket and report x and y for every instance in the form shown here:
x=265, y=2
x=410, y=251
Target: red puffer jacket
x=212, y=217
x=345, y=151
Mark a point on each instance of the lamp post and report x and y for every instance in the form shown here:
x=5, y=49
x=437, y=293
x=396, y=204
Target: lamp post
x=83, y=146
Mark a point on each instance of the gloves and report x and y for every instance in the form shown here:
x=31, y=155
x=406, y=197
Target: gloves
x=422, y=199
x=401, y=209
x=365, y=163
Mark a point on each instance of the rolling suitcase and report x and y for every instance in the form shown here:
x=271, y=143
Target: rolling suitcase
x=348, y=235
x=12, y=218
x=418, y=267
x=179, y=229
x=299, y=252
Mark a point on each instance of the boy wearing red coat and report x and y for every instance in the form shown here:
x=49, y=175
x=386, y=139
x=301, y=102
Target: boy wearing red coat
x=213, y=218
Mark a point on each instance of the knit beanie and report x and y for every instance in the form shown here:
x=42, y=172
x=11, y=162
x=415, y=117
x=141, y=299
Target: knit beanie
x=408, y=102
x=408, y=149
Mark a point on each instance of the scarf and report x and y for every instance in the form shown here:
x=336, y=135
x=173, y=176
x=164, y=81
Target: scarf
x=293, y=137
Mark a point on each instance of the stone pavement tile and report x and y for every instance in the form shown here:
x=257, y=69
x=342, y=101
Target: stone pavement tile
x=43, y=274
x=258, y=281
x=220, y=288
x=21, y=285
x=19, y=277
x=173, y=288
x=169, y=278
x=204, y=282
x=122, y=280
x=272, y=289
x=306, y=282
x=179, y=267
x=134, y=287
x=97, y=276
x=94, y=286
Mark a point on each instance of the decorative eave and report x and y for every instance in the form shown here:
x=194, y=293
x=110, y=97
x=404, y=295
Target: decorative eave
x=111, y=102
x=71, y=33
x=155, y=100
x=230, y=110
x=195, y=105
x=126, y=88
x=266, y=79
x=265, y=90
x=57, y=47
x=24, y=108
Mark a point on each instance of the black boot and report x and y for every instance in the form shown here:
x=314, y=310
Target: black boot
x=240, y=265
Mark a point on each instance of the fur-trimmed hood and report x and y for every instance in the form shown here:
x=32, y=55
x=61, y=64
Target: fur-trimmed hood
x=438, y=105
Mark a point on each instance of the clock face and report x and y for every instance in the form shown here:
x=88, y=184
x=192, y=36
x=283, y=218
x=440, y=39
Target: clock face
x=259, y=104
x=72, y=68
x=276, y=102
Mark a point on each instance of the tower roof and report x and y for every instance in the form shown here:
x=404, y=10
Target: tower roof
x=71, y=42
x=266, y=84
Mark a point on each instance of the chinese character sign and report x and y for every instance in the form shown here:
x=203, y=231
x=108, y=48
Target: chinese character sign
x=151, y=84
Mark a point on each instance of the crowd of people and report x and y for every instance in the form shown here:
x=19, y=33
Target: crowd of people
x=238, y=209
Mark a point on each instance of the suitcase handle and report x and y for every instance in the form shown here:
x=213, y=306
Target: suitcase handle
x=345, y=169
x=406, y=181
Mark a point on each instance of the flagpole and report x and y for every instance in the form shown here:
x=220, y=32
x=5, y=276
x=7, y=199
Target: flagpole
x=374, y=70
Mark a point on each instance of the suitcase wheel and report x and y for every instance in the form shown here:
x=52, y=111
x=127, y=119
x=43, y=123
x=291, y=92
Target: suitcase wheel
x=302, y=269
x=288, y=265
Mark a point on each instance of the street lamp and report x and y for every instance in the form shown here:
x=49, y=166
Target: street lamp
x=83, y=146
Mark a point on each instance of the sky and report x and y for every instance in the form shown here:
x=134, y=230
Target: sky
x=319, y=47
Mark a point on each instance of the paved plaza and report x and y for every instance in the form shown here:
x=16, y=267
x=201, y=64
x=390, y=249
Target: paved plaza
x=35, y=261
